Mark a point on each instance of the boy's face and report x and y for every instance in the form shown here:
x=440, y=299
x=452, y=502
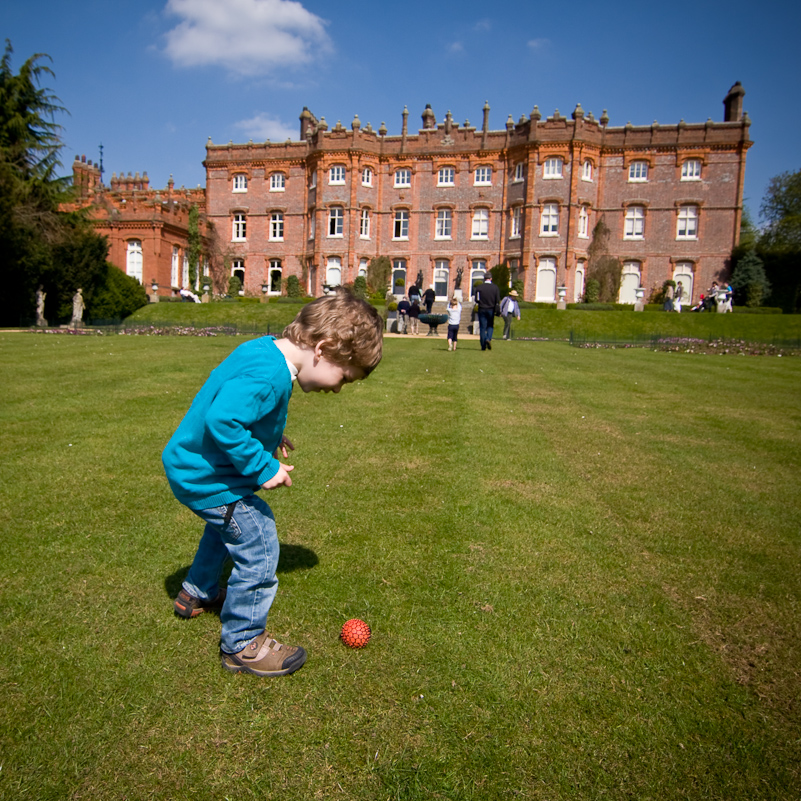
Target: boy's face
x=321, y=375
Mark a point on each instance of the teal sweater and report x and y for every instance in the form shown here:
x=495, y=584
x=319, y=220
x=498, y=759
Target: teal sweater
x=223, y=449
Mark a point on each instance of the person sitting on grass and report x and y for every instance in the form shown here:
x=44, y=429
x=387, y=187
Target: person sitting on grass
x=227, y=447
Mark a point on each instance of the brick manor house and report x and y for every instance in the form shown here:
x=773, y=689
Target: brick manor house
x=450, y=201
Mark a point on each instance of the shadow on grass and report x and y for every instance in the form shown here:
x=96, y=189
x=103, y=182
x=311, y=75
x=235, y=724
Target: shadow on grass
x=293, y=557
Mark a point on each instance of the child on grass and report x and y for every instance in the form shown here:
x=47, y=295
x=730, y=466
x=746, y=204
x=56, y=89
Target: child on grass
x=227, y=447
x=454, y=319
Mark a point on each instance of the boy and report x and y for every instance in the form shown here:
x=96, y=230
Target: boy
x=223, y=452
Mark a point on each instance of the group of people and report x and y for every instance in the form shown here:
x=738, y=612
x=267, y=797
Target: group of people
x=409, y=308
x=718, y=298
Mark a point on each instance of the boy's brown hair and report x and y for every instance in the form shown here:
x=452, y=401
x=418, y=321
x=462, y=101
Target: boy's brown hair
x=352, y=328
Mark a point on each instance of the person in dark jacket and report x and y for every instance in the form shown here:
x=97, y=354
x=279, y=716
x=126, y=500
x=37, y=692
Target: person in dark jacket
x=429, y=296
x=488, y=298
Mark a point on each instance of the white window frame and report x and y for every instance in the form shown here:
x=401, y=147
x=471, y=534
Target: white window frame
x=185, y=271
x=627, y=293
x=333, y=269
x=400, y=225
x=363, y=265
x=546, y=265
x=691, y=170
x=239, y=231
x=520, y=172
x=175, y=266
x=444, y=224
x=584, y=223
x=275, y=267
x=336, y=175
x=364, y=224
x=446, y=176
x=517, y=222
x=638, y=172
x=336, y=222
x=483, y=176
x=552, y=168
x=683, y=271
x=687, y=222
x=403, y=178
x=586, y=170
x=367, y=176
x=313, y=183
x=239, y=183
x=549, y=220
x=480, y=225
x=277, y=226
x=634, y=223
x=238, y=266
x=312, y=224
x=278, y=182
x=442, y=271
x=134, y=259
x=578, y=281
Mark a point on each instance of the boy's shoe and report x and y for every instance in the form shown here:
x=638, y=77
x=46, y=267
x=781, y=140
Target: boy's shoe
x=187, y=605
x=263, y=656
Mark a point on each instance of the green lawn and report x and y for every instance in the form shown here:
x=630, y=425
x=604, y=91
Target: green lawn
x=581, y=568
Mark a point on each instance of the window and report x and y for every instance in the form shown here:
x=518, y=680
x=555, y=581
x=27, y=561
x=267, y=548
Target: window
x=363, y=265
x=364, y=224
x=403, y=178
x=333, y=271
x=133, y=260
x=684, y=273
x=277, y=226
x=520, y=171
x=238, y=270
x=691, y=170
x=578, y=284
x=634, y=225
x=240, y=228
x=584, y=223
x=240, y=182
x=688, y=223
x=441, y=276
x=399, y=276
x=546, y=281
x=313, y=180
x=312, y=224
x=401, y=228
x=549, y=222
x=337, y=174
x=185, y=275
x=480, y=224
x=586, y=171
x=517, y=216
x=629, y=282
x=477, y=271
x=175, y=266
x=638, y=171
x=446, y=176
x=277, y=182
x=367, y=177
x=552, y=168
x=444, y=224
x=483, y=176
x=274, y=278
x=336, y=218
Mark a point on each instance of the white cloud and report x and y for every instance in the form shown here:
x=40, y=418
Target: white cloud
x=538, y=44
x=456, y=47
x=483, y=26
x=263, y=126
x=249, y=37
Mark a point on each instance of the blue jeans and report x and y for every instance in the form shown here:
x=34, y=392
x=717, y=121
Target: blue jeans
x=486, y=322
x=251, y=540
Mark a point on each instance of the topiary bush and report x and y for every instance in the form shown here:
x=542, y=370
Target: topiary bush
x=360, y=287
x=119, y=296
x=293, y=288
x=592, y=291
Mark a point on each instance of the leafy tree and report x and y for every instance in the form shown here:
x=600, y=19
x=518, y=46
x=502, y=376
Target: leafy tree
x=194, y=245
x=500, y=277
x=118, y=297
x=749, y=282
x=781, y=209
x=293, y=288
x=604, y=269
x=360, y=287
x=378, y=273
x=37, y=241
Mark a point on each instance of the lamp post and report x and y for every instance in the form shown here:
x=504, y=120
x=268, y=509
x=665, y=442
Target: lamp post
x=562, y=292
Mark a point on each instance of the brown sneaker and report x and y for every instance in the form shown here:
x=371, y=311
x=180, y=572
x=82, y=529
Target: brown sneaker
x=187, y=605
x=263, y=656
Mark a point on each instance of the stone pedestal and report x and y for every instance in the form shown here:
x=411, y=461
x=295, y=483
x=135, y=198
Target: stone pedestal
x=639, y=306
x=561, y=304
x=205, y=298
x=153, y=297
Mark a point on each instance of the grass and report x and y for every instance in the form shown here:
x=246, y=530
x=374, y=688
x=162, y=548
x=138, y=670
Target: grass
x=580, y=566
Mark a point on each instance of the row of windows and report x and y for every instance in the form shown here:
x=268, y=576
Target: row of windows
x=552, y=168
x=633, y=225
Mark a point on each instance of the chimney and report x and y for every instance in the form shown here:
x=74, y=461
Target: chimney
x=733, y=104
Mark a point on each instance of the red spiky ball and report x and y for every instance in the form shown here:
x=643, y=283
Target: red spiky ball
x=355, y=633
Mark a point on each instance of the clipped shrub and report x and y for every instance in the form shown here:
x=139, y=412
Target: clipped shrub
x=119, y=296
x=293, y=288
x=592, y=291
x=234, y=285
x=360, y=287
x=518, y=287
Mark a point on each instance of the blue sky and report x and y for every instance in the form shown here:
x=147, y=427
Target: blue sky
x=152, y=80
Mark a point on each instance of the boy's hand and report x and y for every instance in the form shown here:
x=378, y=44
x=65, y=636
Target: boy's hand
x=282, y=448
x=282, y=477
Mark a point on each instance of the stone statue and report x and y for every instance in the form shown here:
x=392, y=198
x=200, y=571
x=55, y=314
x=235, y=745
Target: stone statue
x=77, y=308
x=419, y=281
x=40, y=301
x=458, y=284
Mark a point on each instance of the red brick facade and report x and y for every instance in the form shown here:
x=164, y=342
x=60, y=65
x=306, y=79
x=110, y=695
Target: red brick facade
x=147, y=228
x=453, y=197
